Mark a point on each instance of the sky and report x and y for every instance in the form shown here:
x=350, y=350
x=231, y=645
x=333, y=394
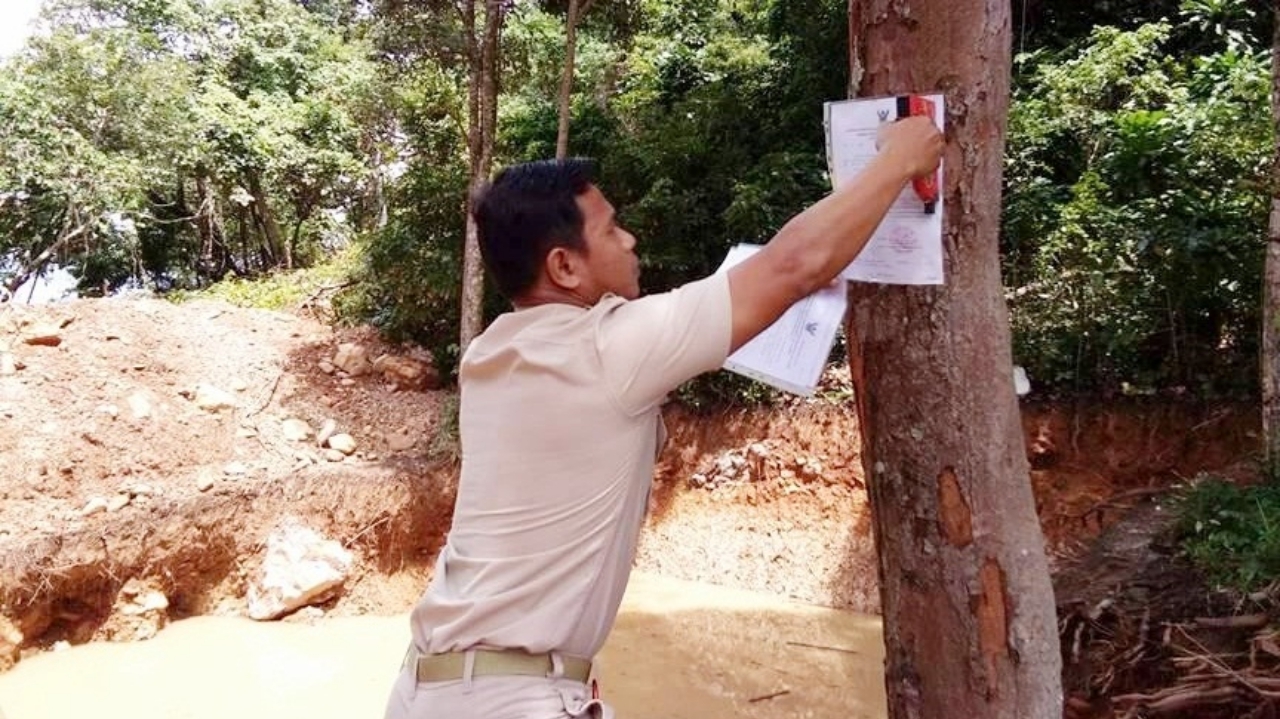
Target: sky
x=15, y=23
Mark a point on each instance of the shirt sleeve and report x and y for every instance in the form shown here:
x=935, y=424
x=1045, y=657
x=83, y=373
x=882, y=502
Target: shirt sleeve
x=651, y=345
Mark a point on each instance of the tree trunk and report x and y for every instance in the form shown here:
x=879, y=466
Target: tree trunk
x=472, y=296
x=490, y=69
x=969, y=617
x=242, y=232
x=566, y=79
x=1270, y=360
x=376, y=204
x=482, y=112
x=214, y=255
x=277, y=249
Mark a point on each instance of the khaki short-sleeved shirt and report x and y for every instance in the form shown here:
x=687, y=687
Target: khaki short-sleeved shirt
x=560, y=429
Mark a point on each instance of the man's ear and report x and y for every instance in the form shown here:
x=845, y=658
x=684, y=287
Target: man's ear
x=562, y=268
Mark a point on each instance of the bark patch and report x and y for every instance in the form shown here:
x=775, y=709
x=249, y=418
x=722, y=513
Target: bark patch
x=955, y=518
x=993, y=622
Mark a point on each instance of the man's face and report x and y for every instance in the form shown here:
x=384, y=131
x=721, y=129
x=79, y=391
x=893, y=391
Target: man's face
x=611, y=265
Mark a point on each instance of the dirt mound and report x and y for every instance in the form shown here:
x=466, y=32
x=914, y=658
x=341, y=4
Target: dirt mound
x=147, y=439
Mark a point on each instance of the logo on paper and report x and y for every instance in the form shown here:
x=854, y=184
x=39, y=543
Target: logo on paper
x=884, y=115
x=902, y=240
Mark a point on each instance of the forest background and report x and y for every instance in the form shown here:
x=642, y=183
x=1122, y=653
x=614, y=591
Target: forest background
x=178, y=145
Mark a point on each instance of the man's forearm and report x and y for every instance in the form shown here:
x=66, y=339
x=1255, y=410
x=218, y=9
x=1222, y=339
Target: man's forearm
x=820, y=242
x=816, y=245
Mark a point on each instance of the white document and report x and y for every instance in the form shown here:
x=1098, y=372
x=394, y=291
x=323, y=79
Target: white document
x=907, y=247
x=793, y=351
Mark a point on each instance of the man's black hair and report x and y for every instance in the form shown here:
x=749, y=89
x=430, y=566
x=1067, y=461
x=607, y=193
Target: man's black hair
x=526, y=211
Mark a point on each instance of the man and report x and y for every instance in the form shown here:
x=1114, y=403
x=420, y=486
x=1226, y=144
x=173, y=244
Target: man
x=560, y=424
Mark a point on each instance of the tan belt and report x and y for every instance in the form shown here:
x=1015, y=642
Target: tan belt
x=452, y=666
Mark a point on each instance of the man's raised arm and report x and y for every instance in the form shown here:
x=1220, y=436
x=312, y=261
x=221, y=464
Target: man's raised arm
x=817, y=244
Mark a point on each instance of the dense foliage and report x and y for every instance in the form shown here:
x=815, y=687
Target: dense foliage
x=1136, y=205
x=1232, y=532
x=167, y=144
x=170, y=143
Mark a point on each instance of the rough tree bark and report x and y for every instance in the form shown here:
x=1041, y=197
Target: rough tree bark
x=969, y=619
x=1270, y=360
x=484, y=64
x=576, y=11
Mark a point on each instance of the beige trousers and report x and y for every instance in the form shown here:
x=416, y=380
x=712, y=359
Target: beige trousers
x=494, y=697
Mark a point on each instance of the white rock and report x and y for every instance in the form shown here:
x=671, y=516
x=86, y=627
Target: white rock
x=326, y=431
x=95, y=505
x=10, y=645
x=327, y=367
x=142, y=598
x=352, y=359
x=110, y=410
x=235, y=469
x=344, y=443
x=205, y=483
x=139, y=613
x=1021, y=383
x=139, y=405
x=118, y=502
x=300, y=568
x=401, y=441
x=334, y=455
x=238, y=385
x=212, y=399
x=311, y=613
x=296, y=430
x=407, y=372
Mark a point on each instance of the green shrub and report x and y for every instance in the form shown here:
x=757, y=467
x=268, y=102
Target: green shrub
x=1135, y=211
x=1232, y=533
x=281, y=290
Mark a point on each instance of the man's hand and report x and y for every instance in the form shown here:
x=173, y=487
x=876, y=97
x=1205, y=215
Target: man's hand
x=913, y=144
x=817, y=244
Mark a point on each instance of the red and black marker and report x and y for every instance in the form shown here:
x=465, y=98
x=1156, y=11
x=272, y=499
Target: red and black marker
x=926, y=187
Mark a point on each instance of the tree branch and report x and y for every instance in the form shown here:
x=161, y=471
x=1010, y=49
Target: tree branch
x=34, y=266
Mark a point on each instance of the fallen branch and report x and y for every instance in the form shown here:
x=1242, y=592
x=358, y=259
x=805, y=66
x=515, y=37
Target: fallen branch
x=1116, y=499
x=766, y=697
x=823, y=646
x=320, y=291
x=1244, y=621
x=275, y=384
x=1178, y=699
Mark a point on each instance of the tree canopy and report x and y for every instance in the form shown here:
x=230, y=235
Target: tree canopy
x=169, y=144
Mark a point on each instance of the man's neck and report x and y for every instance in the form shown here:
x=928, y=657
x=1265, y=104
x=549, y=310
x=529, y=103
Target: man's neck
x=539, y=295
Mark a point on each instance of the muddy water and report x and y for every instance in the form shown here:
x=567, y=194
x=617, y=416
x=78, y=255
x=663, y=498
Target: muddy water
x=680, y=650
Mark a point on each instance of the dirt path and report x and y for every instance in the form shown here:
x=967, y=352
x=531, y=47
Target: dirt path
x=711, y=650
